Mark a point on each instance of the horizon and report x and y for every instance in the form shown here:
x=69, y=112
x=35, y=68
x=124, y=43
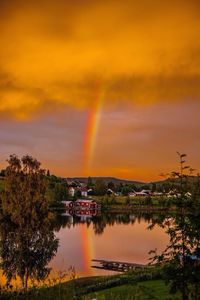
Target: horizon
x=97, y=98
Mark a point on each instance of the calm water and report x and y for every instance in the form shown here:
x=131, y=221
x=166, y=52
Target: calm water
x=120, y=237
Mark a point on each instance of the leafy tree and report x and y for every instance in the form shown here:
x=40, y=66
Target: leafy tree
x=134, y=187
x=56, y=190
x=100, y=187
x=126, y=190
x=25, y=187
x=180, y=259
x=26, y=252
x=154, y=187
x=111, y=186
x=27, y=242
x=145, y=187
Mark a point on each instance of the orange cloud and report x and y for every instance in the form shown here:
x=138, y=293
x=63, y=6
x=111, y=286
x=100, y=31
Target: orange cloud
x=54, y=53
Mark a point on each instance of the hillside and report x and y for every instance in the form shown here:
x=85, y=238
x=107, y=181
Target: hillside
x=106, y=180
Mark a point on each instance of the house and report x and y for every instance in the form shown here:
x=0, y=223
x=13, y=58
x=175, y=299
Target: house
x=71, y=191
x=138, y=194
x=132, y=194
x=157, y=193
x=111, y=192
x=148, y=192
x=86, y=204
x=84, y=191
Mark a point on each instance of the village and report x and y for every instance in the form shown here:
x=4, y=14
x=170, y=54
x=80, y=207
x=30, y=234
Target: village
x=84, y=198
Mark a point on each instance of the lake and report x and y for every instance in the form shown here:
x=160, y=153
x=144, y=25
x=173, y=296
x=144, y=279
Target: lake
x=118, y=237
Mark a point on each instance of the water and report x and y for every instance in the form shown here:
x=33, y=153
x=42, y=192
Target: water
x=117, y=237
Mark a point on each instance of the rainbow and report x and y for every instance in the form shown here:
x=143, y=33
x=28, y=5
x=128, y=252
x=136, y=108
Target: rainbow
x=92, y=126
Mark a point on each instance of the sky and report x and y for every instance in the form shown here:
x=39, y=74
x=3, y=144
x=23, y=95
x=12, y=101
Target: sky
x=100, y=88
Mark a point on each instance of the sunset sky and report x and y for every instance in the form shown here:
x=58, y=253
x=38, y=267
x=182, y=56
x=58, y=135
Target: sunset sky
x=100, y=88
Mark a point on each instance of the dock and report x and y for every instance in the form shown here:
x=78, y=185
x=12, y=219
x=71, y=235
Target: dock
x=117, y=266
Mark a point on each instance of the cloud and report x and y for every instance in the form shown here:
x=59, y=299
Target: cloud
x=64, y=53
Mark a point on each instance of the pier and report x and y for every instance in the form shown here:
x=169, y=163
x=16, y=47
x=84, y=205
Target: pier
x=117, y=266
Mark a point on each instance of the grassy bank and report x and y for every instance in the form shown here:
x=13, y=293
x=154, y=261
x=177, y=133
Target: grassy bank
x=124, y=203
x=140, y=285
x=151, y=289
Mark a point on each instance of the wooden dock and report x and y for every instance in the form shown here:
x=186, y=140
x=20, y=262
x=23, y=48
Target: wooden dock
x=117, y=266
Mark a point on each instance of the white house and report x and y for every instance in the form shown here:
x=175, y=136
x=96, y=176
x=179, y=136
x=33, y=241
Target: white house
x=71, y=191
x=140, y=194
x=84, y=192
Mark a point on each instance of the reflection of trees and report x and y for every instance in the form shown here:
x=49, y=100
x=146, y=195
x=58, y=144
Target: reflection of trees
x=100, y=222
x=181, y=258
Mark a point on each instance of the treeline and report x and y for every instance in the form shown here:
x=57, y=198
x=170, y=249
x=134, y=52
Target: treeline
x=56, y=190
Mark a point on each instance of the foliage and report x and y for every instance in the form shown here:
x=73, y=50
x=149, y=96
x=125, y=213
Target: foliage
x=181, y=258
x=111, y=185
x=56, y=190
x=90, y=183
x=100, y=187
x=126, y=190
x=2, y=173
x=27, y=242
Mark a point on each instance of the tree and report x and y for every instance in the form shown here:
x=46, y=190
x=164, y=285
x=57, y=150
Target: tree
x=126, y=190
x=25, y=187
x=27, y=241
x=111, y=186
x=26, y=253
x=180, y=259
x=153, y=187
x=100, y=187
x=2, y=173
x=90, y=183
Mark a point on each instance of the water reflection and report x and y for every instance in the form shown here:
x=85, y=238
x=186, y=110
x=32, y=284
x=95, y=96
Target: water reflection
x=100, y=221
x=84, y=236
x=121, y=236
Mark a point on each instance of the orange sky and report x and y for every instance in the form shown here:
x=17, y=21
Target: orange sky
x=138, y=62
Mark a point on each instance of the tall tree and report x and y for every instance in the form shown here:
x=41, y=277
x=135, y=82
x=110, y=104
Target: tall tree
x=27, y=242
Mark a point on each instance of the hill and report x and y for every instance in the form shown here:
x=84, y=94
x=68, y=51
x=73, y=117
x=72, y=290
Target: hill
x=106, y=180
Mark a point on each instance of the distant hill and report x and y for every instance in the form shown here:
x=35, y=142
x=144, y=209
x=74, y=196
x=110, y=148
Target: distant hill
x=106, y=180
x=190, y=179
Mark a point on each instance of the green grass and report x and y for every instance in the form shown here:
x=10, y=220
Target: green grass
x=154, y=289
x=78, y=289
